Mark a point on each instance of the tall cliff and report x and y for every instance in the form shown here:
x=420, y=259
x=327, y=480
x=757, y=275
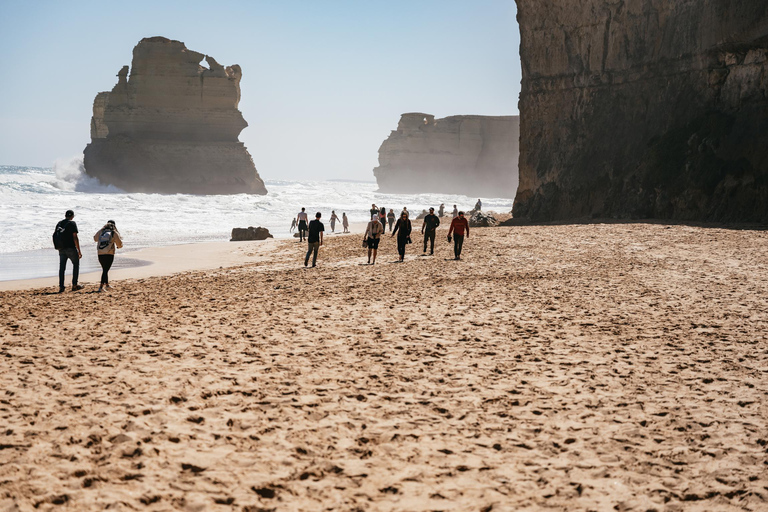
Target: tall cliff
x=471, y=155
x=644, y=109
x=172, y=126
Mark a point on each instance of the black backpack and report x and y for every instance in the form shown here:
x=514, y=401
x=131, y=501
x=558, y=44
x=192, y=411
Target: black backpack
x=58, y=234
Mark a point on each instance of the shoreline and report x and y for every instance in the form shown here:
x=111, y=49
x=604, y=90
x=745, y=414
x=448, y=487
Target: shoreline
x=167, y=260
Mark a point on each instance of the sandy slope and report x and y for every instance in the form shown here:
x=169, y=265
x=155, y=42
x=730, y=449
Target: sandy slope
x=586, y=367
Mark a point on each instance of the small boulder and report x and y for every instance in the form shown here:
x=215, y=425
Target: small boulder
x=250, y=233
x=479, y=219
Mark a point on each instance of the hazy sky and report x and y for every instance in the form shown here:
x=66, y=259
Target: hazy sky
x=323, y=83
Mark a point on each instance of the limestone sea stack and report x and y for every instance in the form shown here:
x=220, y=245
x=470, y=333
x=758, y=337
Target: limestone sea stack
x=471, y=155
x=171, y=125
x=644, y=109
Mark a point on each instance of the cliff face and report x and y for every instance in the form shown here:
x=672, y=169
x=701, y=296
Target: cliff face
x=172, y=126
x=644, y=109
x=472, y=155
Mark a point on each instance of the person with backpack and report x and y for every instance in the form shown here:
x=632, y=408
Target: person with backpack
x=107, y=238
x=403, y=231
x=371, y=238
x=66, y=242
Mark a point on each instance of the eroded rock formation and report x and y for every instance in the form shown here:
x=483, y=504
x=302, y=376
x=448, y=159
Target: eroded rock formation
x=172, y=126
x=644, y=109
x=471, y=155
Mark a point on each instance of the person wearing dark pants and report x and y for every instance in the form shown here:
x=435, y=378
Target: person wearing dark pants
x=302, y=219
x=460, y=229
x=314, y=239
x=428, y=228
x=107, y=239
x=66, y=241
x=403, y=231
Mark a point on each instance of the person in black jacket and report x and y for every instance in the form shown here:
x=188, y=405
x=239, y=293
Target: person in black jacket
x=69, y=250
x=428, y=228
x=403, y=231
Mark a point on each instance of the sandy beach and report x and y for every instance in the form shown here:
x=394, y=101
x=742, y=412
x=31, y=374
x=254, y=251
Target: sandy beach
x=617, y=366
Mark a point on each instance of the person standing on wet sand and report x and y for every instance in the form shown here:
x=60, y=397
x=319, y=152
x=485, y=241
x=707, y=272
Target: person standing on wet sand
x=334, y=218
x=107, y=238
x=345, y=222
x=372, y=236
x=403, y=230
x=302, y=218
x=314, y=239
x=391, y=219
x=69, y=249
x=428, y=229
x=460, y=229
x=441, y=210
x=455, y=212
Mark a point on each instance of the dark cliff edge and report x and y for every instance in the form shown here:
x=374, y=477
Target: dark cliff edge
x=644, y=109
x=172, y=126
x=470, y=155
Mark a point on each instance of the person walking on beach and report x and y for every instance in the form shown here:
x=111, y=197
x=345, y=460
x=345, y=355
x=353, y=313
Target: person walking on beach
x=383, y=217
x=403, y=231
x=66, y=241
x=314, y=239
x=345, y=222
x=372, y=236
x=391, y=219
x=374, y=210
x=302, y=219
x=334, y=218
x=455, y=212
x=478, y=205
x=460, y=229
x=441, y=210
x=428, y=229
x=293, y=225
x=107, y=238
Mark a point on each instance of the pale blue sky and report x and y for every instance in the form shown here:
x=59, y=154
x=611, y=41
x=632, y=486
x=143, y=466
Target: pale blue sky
x=323, y=84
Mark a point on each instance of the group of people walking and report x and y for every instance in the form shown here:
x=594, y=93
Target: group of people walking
x=66, y=241
x=377, y=227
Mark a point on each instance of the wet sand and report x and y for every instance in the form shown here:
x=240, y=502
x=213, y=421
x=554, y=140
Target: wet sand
x=575, y=367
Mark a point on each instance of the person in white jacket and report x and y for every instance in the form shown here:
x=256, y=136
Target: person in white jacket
x=373, y=233
x=107, y=239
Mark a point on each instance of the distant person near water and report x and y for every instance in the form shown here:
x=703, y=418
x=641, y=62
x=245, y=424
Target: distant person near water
x=391, y=219
x=428, y=228
x=478, y=205
x=293, y=225
x=374, y=210
x=455, y=212
x=441, y=210
x=345, y=222
x=372, y=236
x=383, y=217
x=314, y=239
x=334, y=218
x=66, y=241
x=107, y=238
x=302, y=218
x=460, y=229
x=403, y=230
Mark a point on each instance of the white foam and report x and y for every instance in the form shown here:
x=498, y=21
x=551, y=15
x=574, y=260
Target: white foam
x=33, y=200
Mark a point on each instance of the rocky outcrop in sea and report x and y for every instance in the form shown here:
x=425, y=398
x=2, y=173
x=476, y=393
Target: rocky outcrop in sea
x=171, y=125
x=644, y=109
x=470, y=155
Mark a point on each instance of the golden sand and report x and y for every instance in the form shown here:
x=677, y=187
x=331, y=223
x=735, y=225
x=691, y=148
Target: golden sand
x=568, y=367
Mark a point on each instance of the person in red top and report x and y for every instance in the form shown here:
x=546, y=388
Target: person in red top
x=460, y=229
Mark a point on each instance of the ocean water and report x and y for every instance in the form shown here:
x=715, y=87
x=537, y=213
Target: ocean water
x=33, y=200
